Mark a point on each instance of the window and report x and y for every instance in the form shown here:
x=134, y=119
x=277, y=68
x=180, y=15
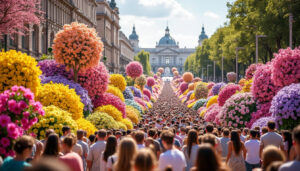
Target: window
x=13, y=41
x=180, y=61
x=35, y=38
x=44, y=41
x=167, y=60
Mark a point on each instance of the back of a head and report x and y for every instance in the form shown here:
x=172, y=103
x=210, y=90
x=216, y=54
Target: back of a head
x=80, y=134
x=139, y=137
x=274, y=166
x=209, y=138
x=296, y=134
x=126, y=151
x=207, y=158
x=65, y=129
x=270, y=154
x=102, y=133
x=22, y=143
x=167, y=136
x=145, y=160
x=271, y=125
x=52, y=145
x=48, y=164
x=151, y=132
x=68, y=141
x=226, y=132
x=209, y=128
x=253, y=133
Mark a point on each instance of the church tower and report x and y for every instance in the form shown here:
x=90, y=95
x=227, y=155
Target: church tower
x=202, y=37
x=134, y=39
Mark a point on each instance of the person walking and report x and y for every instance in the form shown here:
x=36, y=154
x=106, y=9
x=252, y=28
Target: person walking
x=95, y=151
x=236, y=149
x=252, y=155
x=190, y=150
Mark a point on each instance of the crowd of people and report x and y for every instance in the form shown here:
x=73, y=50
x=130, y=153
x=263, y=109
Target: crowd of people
x=169, y=137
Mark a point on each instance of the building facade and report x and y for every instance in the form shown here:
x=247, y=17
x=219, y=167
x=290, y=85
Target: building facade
x=56, y=14
x=108, y=27
x=126, y=52
x=202, y=37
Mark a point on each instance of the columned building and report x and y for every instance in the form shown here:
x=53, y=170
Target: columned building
x=126, y=52
x=108, y=29
x=56, y=14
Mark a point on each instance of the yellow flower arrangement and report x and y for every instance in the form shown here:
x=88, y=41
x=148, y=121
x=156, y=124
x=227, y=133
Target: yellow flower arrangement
x=185, y=92
x=86, y=126
x=132, y=114
x=102, y=120
x=202, y=113
x=247, y=86
x=54, y=118
x=127, y=122
x=115, y=91
x=149, y=105
x=122, y=126
x=191, y=105
x=110, y=110
x=212, y=100
x=118, y=81
x=18, y=68
x=242, y=82
x=62, y=97
x=192, y=97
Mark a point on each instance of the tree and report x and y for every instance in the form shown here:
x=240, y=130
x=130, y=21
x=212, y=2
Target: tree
x=143, y=58
x=16, y=14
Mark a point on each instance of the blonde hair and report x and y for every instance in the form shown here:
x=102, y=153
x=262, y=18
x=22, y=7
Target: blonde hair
x=145, y=160
x=125, y=153
x=271, y=154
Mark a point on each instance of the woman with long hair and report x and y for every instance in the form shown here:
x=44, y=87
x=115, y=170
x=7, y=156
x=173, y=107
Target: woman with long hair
x=190, y=149
x=236, y=151
x=52, y=147
x=208, y=159
x=145, y=160
x=288, y=143
x=271, y=154
x=110, y=149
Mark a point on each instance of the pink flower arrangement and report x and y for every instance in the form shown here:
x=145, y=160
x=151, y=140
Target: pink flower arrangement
x=134, y=69
x=263, y=88
x=286, y=67
x=210, y=85
x=227, y=92
x=263, y=111
x=110, y=99
x=18, y=112
x=231, y=77
x=161, y=70
x=140, y=101
x=147, y=93
x=174, y=69
x=183, y=86
x=250, y=71
x=188, y=77
x=94, y=80
x=237, y=110
x=150, y=81
x=212, y=112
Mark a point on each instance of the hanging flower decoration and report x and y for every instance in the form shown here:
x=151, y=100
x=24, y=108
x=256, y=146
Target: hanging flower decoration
x=250, y=71
x=188, y=77
x=199, y=103
x=55, y=118
x=231, y=77
x=132, y=114
x=118, y=81
x=115, y=91
x=134, y=69
x=18, y=68
x=110, y=99
x=237, y=110
x=263, y=88
x=227, y=92
x=285, y=107
x=86, y=125
x=127, y=93
x=150, y=81
x=286, y=67
x=52, y=68
x=262, y=111
x=102, y=120
x=201, y=91
x=183, y=87
x=61, y=96
x=262, y=122
x=212, y=112
x=18, y=112
x=217, y=87
x=110, y=110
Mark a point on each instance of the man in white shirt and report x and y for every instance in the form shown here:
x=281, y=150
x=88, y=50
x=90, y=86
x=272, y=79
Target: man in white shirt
x=96, y=149
x=84, y=146
x=172, y=156
x=139, y=138
x=295, y=164
x=252, y=156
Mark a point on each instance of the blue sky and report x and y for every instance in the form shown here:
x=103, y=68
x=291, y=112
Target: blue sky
x=184, y=17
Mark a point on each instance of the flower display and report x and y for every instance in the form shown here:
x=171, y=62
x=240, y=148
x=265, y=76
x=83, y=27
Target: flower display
x=262, y=111
x=262, y=122
x=146, y=98
x=77, y=47
x=231, y=77
x=210, y=85
x=263, y=88
x=217, y=87
x=174, y=69
x=147, y=93
x=191, y=86
x=129, y=81
x=188, y=77
x=122, y=126
x=197, y=79
x=115, y=91
x=85, y=99
x=176, y=73
x=285, y=106
x=201, y=91
x=132, y=114
x=140, y=101
x=227, y=92
x=211, y=101
x=286, y=67
x=247, y=86
x=134, y=69
x=136, y=92
x=127, y=93
x=199, y=103
x=61, y=96
x=110, y=99
x=87, y=126
x=118, y=81
x=52, y=68
x=242, y=82
x=94, y=80
x=160, y=70
x=237, y=110
x=141, y=81
x=150, y=81
x=110, y=110
x=250, y=71
x=134, y=104
x=128, y=123
x=102, y=120
x=212, y=112
x=18, y=112
x=188, y=96
x=183, y=87
x=55, y=118
x=18, y=68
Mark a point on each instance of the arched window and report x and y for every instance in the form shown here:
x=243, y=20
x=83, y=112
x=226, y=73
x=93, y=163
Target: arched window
x=44, y=41
x=51, y=38
x=25, y=40
x=13, y=41
x=35, y=38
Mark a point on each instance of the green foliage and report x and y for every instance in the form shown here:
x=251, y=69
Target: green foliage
x=144, y=58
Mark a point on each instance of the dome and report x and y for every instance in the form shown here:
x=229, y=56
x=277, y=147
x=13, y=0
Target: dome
x=203, y=35
x=133, y=35
x=167, y=39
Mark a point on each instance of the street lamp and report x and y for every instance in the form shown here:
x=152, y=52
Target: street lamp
x=208, y=65
x=214, y=71
x=222, y=68
x=236, y=62
x=256, y=45
x=291, y=29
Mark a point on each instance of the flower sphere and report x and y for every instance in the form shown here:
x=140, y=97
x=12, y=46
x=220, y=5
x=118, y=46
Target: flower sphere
x=183, y=87
x=118, y=81
x=110, y=110
x=134, y=69
x=18, y=68
x=188, y=77
x=115, y=91
x=52, y=68
x=201, y=91
x=285, y=106
x=160, y=70
x=147, y=93
x=110, y=99
x=227, y=92
x=150, y=81
x=102, y=120
x=127, y=93
x=286, y=67
x=217, y=87
x=212, y=112
x=141, y=81
x=250, y=71
x=231, y=76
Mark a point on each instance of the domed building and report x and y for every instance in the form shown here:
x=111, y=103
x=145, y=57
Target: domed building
x=166, y=54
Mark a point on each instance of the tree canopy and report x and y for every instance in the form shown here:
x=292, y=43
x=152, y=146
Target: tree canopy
x=144, y=58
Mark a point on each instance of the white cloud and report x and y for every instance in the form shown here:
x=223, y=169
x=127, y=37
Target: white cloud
x=211, y=15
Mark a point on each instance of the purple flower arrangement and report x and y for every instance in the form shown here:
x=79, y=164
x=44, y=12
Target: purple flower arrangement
x=217, y=87
x=52, y=68
x=262, y=111
x=127, y=93
x=135, y=91
x=262, y=122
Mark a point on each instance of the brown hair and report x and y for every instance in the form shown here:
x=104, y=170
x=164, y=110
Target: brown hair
x=271, y=154
x=167, y=136
x=209, y=138
x=126, y=152
x=139, y=137
x=68, y=141
x=102, y=133
x=145, y=160
x=192, y=139
x=23, y=143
